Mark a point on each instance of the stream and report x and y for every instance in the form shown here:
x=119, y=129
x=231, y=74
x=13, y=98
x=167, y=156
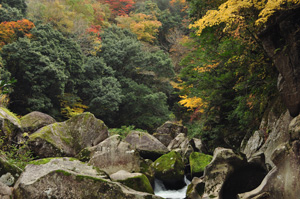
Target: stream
x=160, y=190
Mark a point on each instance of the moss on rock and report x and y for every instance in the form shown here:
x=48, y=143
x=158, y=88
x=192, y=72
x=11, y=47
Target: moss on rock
x=169, y=168
x=198, y=162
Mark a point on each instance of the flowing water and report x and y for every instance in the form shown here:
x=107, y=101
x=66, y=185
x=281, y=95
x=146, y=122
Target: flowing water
x=160, y=190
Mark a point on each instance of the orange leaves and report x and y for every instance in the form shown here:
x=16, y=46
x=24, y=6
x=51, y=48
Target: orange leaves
x=120, y=7
x=11, y=31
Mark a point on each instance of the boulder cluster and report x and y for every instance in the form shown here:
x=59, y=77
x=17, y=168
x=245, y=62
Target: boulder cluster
x=80, y=158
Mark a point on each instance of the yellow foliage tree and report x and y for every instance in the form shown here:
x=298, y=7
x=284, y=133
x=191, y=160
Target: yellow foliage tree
x=144, y=26
x=231, y=12
x=71, y=106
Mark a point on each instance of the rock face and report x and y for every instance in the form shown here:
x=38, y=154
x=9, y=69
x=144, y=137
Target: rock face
x=283, y=180
x=169, y=168
x=35, y=120
x=281, y=42
x=113, y=155
x=69, y=137
x=65, y=178
x=148, y=146
x=136, y=181
x=168, y=131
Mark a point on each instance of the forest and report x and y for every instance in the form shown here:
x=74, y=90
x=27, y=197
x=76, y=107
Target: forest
x=141, y=62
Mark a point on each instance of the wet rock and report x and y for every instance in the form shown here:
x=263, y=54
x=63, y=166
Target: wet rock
x=113, y=155
x=65, y=178
x=148, y=146
x=68, y=138
x=136, y=181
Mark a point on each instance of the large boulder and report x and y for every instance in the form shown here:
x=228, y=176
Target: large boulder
x=283, y=180
x=281, y=41
x=65, y=178
x=136, y=181
x=148, y=146
x=113, y=155
x=254, y=143
x=169, y=168
x=10, y=125
x=198, y=162
x=69, y=137
x=223, y=164
x=168, y=131
x=35, y=120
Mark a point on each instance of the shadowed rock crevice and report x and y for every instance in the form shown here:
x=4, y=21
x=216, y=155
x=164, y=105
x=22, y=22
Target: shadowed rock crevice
x=242, y=180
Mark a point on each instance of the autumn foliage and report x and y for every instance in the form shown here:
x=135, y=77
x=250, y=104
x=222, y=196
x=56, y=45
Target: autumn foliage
x=120, y=7
x=11, y=31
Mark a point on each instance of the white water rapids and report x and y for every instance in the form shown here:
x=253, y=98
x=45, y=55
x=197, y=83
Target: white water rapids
x=160, y=190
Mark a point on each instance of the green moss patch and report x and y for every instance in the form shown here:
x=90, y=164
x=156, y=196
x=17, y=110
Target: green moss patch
x=169, y=167
x=138, y=183
x=198, y=162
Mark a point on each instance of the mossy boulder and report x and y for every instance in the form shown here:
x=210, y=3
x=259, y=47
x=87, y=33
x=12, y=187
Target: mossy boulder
x=64, y=178
x=68, y=138
x=112, y=155
x=35, y=120
x=169, y=168
x=136, y=181
x=148, y=146
x=9, y=173
x=198, y=162
x=10, y=125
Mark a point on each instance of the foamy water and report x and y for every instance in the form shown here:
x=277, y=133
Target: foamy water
x=160, y=190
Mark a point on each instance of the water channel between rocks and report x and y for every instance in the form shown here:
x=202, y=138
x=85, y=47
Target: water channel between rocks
x=160, y=190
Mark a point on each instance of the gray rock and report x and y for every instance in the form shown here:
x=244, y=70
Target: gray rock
x=68, y=138
x=148, y=146
x=65, y=178
x=7, y=179
x=5, y=191
x=168, y=131
x=181, y=144
x=254, y=143
x=113, y=155
x=35, y=120
x=278, y=135
x=223, y=164
x=195, y=190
